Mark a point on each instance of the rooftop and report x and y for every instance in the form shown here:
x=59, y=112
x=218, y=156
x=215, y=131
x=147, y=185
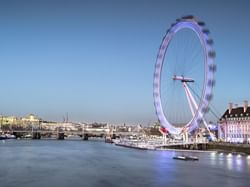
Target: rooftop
x=237, y=112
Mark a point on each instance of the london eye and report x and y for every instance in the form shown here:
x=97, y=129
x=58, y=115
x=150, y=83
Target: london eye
x=184, y=76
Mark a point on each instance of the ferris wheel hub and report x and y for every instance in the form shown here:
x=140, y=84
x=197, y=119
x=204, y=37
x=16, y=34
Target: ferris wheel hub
x=182, y=78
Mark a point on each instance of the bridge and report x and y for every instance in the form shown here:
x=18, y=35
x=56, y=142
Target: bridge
x=62, y=130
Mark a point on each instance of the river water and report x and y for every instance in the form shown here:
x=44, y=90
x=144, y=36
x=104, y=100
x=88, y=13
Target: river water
x=42, y=163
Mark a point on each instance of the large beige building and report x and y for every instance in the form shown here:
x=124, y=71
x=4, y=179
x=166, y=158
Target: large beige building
x=234, y=125
x=31, y=118
x=9, y=122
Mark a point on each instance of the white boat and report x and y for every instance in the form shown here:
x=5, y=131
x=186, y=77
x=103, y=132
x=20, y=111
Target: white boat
x=10, y=136
x=28, y=136
x=3, y=137
x=182, y=157
x=7, y=136
x=116, y=141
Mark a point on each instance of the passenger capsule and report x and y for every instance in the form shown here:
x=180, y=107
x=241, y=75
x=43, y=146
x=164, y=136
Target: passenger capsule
x=212, y=68
x=205, y=110
x=212, y=54
x=188, y=17
x=173, y=24
x=210, y=41
x=206, y=31
x=198, y=121
x=201, y=23
x=209, y=97
x=211, y=83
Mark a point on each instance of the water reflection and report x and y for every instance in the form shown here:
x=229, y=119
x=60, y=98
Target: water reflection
x=78, y=163
x=231, y=162
x=162, y=167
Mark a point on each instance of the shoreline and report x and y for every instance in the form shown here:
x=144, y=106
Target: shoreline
x=212, y=147
x=188, y=150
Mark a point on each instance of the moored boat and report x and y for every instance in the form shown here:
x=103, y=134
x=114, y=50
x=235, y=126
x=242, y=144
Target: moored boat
x=7, y=136
x=3, y=137
x=10, y=136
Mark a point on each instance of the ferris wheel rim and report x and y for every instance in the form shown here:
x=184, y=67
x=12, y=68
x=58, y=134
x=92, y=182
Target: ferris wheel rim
x=203, y=34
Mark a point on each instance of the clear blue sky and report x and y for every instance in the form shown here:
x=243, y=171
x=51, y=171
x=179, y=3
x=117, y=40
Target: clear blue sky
x=95, y=59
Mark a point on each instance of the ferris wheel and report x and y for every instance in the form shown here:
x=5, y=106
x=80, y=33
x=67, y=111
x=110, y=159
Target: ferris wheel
x=184, y=76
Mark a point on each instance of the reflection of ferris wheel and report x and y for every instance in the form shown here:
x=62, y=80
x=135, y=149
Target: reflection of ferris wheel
x=183, y=83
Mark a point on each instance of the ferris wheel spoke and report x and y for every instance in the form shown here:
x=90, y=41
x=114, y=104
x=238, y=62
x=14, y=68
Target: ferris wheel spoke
x=193, y=68
x=194, y=57
x=187, y=54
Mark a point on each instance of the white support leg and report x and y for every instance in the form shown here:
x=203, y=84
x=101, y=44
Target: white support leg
x=188, y=98
x=190, y=95
x=195, y=105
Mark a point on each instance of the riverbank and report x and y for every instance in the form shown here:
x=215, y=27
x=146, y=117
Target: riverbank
x=202, y=147
x=229, y=147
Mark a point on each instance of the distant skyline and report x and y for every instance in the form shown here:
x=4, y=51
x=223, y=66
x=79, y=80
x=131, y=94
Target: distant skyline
x=95, y=59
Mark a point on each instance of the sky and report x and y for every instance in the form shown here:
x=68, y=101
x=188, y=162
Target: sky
x=94, y=59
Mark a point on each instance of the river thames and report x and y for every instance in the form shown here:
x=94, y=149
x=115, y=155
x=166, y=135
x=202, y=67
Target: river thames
x=40, y=163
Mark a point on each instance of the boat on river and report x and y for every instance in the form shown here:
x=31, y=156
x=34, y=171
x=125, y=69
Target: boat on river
x=182, y=157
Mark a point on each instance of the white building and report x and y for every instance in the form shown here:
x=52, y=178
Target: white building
x=234, y=125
